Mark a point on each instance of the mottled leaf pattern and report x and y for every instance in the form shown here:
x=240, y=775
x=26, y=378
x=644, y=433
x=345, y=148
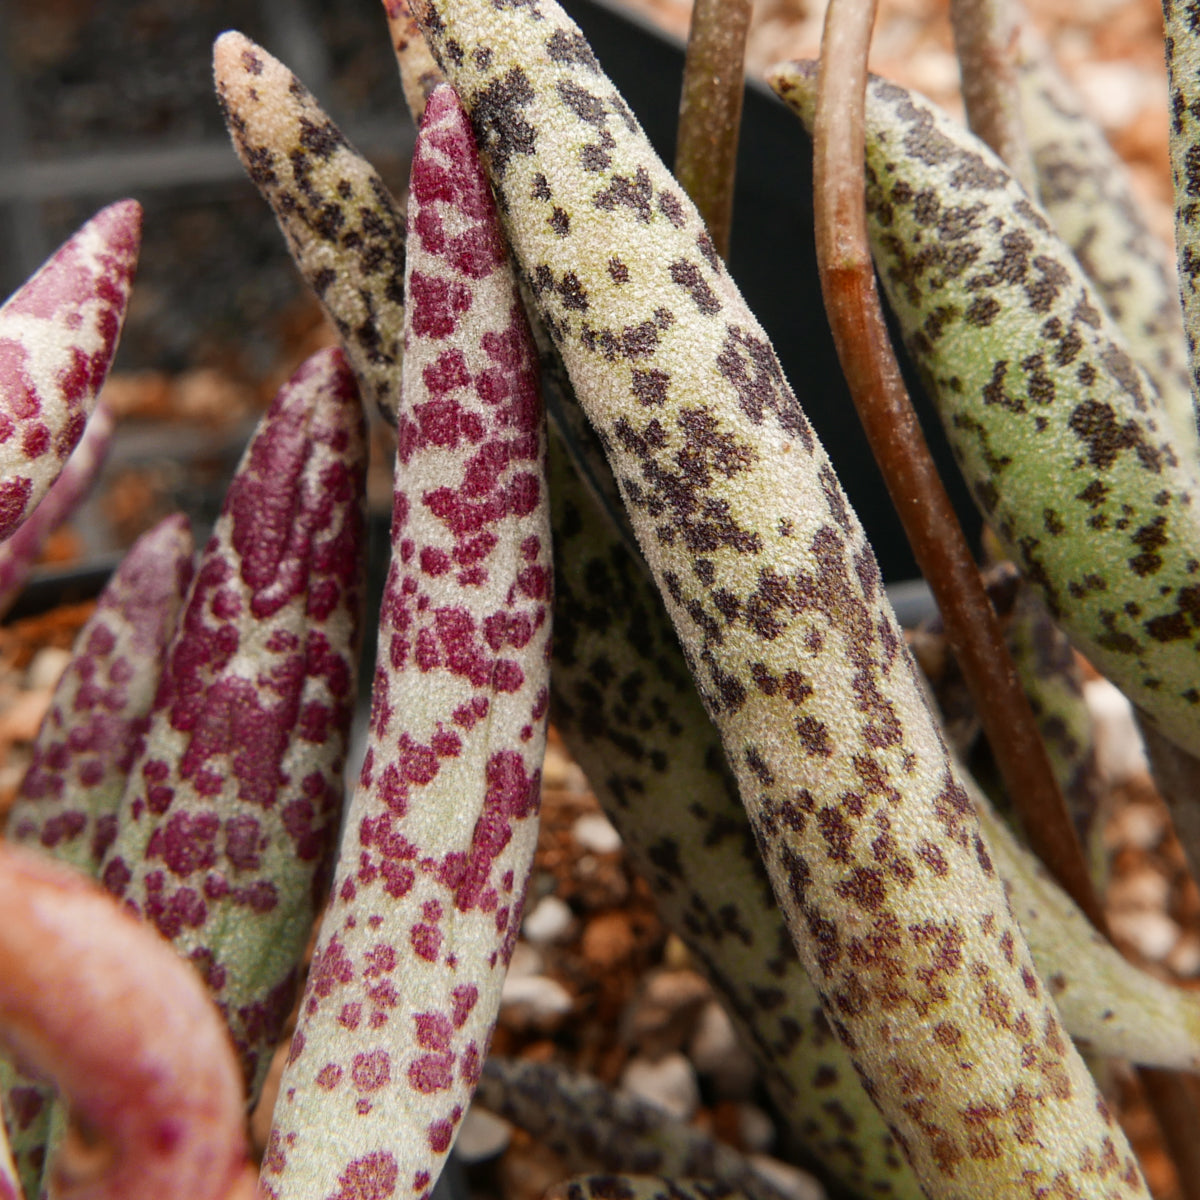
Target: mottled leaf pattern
x=1088, y=194
x=590, y=1124
x=1182, y=24
x=405, y=981
x=641, y=1187
x=342, y=225
x=871, y=841
x=1109, y=1006
x=227, y=825
x=623, y=701
x=67, y=803
x=1060, y=435
x=93, y=999
x=58, y=334
x=19, y=553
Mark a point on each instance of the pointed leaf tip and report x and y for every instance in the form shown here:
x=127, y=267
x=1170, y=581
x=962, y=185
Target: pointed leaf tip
x=58, y=334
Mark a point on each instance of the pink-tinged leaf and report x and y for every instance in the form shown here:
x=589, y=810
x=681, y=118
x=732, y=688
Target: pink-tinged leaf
x=227, y=825
x=20, y=552
x=67, y=803
x=96, y=1001
x=68, y=800
x=58, y=334
x=405, y=982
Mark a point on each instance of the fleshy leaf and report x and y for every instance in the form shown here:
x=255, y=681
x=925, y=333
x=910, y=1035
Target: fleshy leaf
x=58, y=334
x=96, y=1001
x=341, y=224
x=1060, y=436
x=871, y=842
x=1183, y=80
x=405, y=981
x=226, y=827
x=67, y=803
x=1088, y=194
x=20, y=552
x=624, y=703
x=589, y=1124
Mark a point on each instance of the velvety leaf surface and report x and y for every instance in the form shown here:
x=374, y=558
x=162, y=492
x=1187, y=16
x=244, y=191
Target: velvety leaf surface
x=405, y=981
x=58, y=334
x=871, y=841
x=624, y=703
x=1060, y=435
x=67, y=803
x=21, y=550
x=1087, y=191
x=226, y=828
x=342, y=225
x=92, y=998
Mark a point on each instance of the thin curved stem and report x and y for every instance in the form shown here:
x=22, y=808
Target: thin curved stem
x=710, y=112
x=870, y=367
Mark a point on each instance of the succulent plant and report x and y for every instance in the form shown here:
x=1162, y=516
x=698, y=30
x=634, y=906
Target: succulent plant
x=725, y=665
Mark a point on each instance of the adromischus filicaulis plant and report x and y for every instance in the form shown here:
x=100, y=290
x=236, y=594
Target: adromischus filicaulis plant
x=891, y=891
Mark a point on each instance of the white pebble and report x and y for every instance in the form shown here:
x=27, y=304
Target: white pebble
x=792, y=1181
x=525, y=961
x=537, y=996
x=483, y=1135
x=755, y=1128
x=669, y=1082
x=1119, y=752
x=549, y=922
x=594, y=832
x=718, y=1054
x=1152, y=934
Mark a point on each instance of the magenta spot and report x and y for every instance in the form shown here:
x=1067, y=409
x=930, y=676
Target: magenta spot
x=371, y=1071
x=216, y=887
x=116, y=877
x=434, y=1030
x=329, y=1076
x=432, y=910
x=243, y=840
x=440, y=1135
x=62, y=828
x=189, y=842
x=397, y=880
x=158, y=799
x=434, y=562
x=432, y=1072
x=418, y=764
x=426, y=941
x=393, y=791
x=470, y=1066
x=14, y=496
x=420, y=1180
x=507, y=676
x=331, y=967
x=379, y=960
x=436, y=304
x=372, y=1177
x=465, y=996
x=350, y=1015
x=446, y=744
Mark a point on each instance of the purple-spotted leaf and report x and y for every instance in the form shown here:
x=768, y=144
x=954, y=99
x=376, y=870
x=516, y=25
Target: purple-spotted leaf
x=58, y=334
x=342, y=225
x=226, y=826
x=405, y=981
x=67, y=803
x=20, y=552
x=592, y=1126
x=870, y=839
x=94, y=1000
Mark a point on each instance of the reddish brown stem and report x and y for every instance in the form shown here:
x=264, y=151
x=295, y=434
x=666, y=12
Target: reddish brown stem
x=852, y=303
x=710, y=112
